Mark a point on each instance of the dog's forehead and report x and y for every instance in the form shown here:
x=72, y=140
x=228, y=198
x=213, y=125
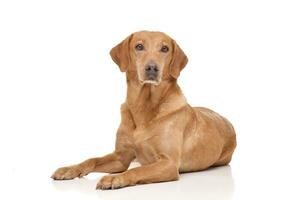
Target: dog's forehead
x=152, y=36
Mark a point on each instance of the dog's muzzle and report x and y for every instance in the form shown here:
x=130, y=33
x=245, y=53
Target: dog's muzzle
x=151, y=71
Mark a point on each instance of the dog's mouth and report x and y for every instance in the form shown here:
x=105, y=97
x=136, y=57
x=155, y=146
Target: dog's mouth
x=153, y=82
x=151, y=77
x=150, y=80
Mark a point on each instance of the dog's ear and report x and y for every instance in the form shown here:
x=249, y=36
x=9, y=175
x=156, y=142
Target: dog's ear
x=120, y=54
x=178, y=62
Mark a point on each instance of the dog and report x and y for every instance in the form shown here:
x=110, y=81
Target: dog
x=158, y=127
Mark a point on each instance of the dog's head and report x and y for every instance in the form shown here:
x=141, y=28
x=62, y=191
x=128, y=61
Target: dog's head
x=153, y=56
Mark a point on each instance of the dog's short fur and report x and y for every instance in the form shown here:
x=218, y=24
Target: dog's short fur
x=158, y=127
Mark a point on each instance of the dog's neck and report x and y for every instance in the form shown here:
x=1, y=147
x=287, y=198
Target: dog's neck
x=147, y=102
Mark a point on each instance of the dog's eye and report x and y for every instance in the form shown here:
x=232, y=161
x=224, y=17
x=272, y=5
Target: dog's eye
x=139, y=47
x=164, y=49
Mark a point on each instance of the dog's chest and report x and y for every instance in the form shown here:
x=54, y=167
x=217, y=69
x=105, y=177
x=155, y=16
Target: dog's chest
x=144, y=145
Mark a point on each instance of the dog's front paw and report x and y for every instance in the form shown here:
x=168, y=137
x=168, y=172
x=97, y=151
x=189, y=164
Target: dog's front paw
x=112, y=182
x=67, y=173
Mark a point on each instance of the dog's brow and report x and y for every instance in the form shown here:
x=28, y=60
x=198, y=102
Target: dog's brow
x=165, y=43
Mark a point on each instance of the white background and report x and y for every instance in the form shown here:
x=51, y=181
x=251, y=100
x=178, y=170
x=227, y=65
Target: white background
x=60, y=92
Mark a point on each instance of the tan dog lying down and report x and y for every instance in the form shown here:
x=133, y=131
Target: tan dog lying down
x=158, y=127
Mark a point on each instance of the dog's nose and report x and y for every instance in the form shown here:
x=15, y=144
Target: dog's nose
x=151, y=71
x=152, y=67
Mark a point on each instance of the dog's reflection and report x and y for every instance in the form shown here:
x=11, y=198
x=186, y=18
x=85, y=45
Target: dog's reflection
x=214, y=183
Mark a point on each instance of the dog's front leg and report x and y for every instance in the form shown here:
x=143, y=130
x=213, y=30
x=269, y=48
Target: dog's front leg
x=162, y=170
x=111, y=163
x=118, y=161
